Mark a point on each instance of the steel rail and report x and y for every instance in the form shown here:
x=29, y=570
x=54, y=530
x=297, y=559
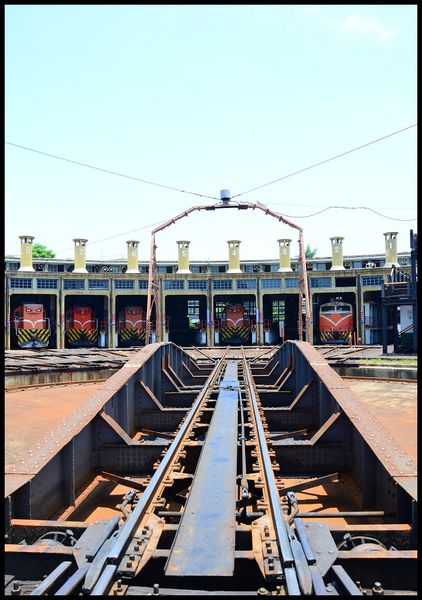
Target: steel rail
x=73, y=582
x=280, y=525
x=113, y=550
x=128, y=529
x=51, y=579
x=244, y=479
x=103, y=583
x=263, y=354
x=210, y=508
x=206, y=355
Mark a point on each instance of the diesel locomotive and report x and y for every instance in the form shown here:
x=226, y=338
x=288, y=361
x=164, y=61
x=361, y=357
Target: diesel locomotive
x=81, y=327
x=235, y=325
x=131, y=326
x=335, y=322
x=32, y=328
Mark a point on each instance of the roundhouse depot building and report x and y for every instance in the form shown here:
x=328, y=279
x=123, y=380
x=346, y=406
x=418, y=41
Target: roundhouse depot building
x=193, y=294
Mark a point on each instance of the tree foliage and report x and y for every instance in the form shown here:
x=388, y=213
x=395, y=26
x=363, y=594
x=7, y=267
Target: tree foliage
x=310, y=253
x=40, y=251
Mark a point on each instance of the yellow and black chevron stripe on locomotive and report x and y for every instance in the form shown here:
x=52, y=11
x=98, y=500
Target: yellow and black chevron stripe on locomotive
x=82, y=335
x=132, y=335
x=334, y=335
x=231, y=332
x=33, y=337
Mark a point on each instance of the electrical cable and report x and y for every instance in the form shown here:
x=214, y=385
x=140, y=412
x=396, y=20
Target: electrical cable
x=325, y=161
x=116, y=236
x=347, y=208
x=323, y=206
x=204, y=195
x=236, y=195
x=75, y=162
x=284, y=215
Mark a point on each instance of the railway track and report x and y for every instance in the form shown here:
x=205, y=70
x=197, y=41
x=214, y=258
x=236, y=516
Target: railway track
x=219, y=513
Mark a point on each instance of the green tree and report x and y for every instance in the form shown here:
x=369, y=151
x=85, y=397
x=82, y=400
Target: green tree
x=310, y=253
x=40, y=251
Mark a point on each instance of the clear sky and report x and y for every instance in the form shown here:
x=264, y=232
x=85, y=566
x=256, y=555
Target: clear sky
x=204, y=98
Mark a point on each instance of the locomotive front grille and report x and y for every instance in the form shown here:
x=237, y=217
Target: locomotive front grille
x=229, y=332
x=26, y=336
x=334, y=335
x=75, y=335
x=129, y=334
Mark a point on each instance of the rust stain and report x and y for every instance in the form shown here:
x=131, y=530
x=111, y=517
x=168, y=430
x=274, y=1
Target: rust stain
x=32, y=415
x=381, y=440
x=37, y=433
x=395, y=405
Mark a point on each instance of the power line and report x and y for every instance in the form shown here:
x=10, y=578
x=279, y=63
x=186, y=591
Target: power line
x=81, y=164
x=236, y=195
x=323, y=206
x=284, y=215
x=116, y=236
x=347, y=208
x=325, y=161
x=204, y=195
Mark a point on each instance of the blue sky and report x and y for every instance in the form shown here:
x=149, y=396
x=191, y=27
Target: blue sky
x=203, y=98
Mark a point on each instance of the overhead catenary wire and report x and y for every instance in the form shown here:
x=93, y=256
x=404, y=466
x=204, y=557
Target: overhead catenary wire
x=111, y=237
x=347, y=208
x=205, y=195
x=234, y=196
x=81, y=164
x=283, y=214
x=326, y=160
x=324, y=206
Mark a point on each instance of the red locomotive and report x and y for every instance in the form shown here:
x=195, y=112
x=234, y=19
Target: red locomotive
x=32, y=328
x=131, y=326
x=235, y=327
x=335, y=322
x=81, y=327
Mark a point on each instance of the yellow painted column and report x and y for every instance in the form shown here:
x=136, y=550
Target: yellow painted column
x=161, y=325
x=183, y=258
x=260, y=325
x=360, y=326
x=210, y=315
x=59, y=322
x=63, y=318
x=26, y=253
x=8, y=320
x=112, y=319
x=132, y=256
x=234, y=256
x=314, y=316
x=337, y=253
x=284, y=247
x=80, y=256
x=212, y=328
x=391, y=249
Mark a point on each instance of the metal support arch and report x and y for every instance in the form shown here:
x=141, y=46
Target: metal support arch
x=153, y=287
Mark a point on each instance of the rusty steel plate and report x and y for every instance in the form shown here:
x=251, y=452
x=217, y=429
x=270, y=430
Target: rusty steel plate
x=29, y=447
x=388, y=449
